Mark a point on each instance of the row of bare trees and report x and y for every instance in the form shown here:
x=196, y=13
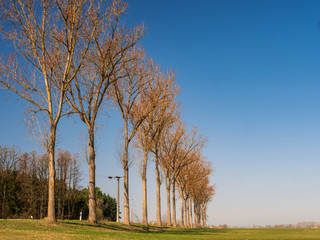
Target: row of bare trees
x=64, y=52
x=75, y=57
x=178, y=159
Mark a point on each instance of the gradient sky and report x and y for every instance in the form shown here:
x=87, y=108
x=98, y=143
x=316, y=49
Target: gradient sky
x=250, y=78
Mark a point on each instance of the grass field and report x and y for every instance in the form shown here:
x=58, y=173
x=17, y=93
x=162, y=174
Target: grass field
x=39, y=229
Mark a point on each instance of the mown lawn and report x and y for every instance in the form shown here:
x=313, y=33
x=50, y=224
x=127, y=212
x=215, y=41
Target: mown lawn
x=40, y=229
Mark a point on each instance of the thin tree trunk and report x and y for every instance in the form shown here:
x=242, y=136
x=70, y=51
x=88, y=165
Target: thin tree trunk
x=198, y=216
x=187, y=219
x=174, y=219
x=204, y=216
x=126, y=185
x=168, y=185
x=195, y=215
x=159, y=223
x=51, y=150
x=92, y=178
x=202, y=220
x=182, y=211
x=144, y=189
x=191, y=217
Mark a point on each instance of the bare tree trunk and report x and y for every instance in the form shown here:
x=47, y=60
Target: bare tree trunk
x=92, y=178
x=199, y=212
x=144, y=189
x=195, y=215
x=126, y=209
x=204, y=216
x=159, y=223
x=51, y=206
x=168, y=185
x=191, y=217
x=187, y=219
x=174, y=219
x=182, y=211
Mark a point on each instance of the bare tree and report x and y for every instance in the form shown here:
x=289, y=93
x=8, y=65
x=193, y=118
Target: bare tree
x=88, y=91
x=135, y=85
x=201, y=194
x=176, y=147
x=194, y=175
x=190, y=147
x=51, y=41
x=165, y=115
x=166, y=90
x=169, y=145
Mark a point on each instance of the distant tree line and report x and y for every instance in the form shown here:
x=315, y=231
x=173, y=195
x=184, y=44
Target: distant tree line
x=77, y=57
x=24, y=187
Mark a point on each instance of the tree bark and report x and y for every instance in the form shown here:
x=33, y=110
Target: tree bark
x=195, y=214
x=51, y=150
x=174, y=218
x=92, y=178
x=168, y=185
x=204, y=216
x=191, y=217
x=182, y=211
x=144, y=189
x=126, y=209
x=187, y=219
x=159, y=223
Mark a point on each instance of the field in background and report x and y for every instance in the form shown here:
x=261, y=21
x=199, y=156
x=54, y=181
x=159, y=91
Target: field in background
x=39, y=229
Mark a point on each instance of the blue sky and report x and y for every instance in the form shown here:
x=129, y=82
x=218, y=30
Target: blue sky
x=249, y=74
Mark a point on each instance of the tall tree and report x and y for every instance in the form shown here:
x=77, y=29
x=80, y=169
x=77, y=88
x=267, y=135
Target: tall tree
x=88, y=91
x=191, y=145
x=163, y=119
x=169, y=148
x=164, y=88
x=129, y=92
x=50, y=42
x=192, y=176
x=176, y=147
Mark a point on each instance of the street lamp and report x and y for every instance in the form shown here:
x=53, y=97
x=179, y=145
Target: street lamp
x=118, y=178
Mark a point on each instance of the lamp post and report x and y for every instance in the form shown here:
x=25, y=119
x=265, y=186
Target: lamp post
x=118, y=178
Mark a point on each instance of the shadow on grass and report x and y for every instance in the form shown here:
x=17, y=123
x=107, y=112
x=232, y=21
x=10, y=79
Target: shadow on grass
x=139, y=228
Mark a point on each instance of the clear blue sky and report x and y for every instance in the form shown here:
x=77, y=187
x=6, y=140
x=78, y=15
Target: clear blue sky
x=250, y=78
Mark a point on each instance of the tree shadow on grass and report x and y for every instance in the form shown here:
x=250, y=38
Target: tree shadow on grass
x=118, y=226
x=139, y=228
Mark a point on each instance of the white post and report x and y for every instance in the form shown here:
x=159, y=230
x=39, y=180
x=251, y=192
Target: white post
x=118, y=201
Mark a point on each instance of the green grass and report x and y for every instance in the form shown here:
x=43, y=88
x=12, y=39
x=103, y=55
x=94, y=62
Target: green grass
x=40, y=229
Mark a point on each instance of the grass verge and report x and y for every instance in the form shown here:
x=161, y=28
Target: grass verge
x=73, y=229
